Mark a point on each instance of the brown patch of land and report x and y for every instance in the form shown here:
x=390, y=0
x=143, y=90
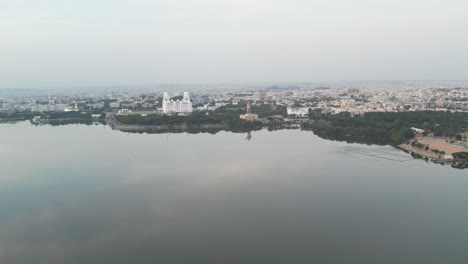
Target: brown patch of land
x=434, y=144
x=421, y=152
x=442, y=145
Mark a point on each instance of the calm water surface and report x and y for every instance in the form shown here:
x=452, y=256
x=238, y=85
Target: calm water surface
x=87, y=194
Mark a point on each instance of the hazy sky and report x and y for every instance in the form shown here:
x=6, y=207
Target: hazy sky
x=109, y=42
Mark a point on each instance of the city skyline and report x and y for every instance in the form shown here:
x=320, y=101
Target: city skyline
x=233, y=131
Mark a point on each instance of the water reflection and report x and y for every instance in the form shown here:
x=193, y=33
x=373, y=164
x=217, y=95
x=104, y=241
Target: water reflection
x=87, y=194
x=248, y=136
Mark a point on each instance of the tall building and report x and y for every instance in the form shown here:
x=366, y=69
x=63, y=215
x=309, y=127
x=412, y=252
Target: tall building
x=249, y=116
x=262, y=96
x=178, y=106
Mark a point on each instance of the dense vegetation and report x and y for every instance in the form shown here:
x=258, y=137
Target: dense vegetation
x=266, y=110
x=66, y=118
x=15, y=117
x=394, y=127
x=225, y=116
x=54, y=118
x=460, y=155
x=227, y=119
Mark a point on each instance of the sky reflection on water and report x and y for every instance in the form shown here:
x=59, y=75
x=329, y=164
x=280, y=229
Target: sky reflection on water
x=87, y=194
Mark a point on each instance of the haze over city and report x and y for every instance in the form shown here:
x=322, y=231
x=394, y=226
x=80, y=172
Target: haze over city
x=52, y=43
x=233, y=131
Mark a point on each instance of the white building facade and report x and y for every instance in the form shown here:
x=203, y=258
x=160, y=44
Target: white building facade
x=300, y=112
x=179, y=106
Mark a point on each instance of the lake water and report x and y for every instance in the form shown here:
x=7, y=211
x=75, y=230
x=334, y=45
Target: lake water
x=88, y=194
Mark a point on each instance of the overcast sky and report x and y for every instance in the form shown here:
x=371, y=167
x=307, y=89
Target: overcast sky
x=119, y=42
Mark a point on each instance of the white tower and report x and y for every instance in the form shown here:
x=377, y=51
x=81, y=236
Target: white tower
x=166, y=97
x=165, y=103
x=186, y=96
x=186, y=106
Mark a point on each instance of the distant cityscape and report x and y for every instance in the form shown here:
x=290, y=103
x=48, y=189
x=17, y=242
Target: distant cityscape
x=429, y=121
x=356, y=98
